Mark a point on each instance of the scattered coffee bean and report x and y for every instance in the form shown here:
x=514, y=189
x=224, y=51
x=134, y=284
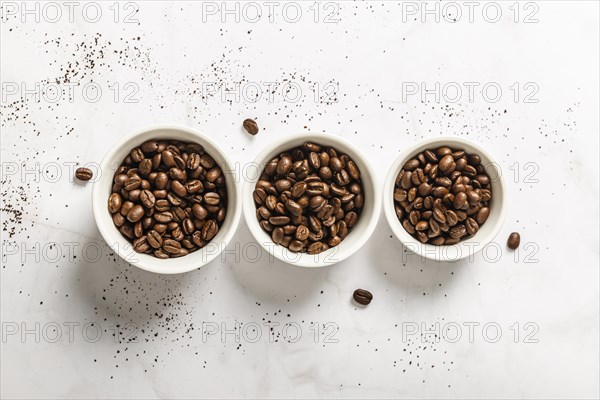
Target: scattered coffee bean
x=514, y=240
x=84, y=174
x=169, y=198
x=309, y=197
x=442, y=196
x=362, y=296
x=250, y=126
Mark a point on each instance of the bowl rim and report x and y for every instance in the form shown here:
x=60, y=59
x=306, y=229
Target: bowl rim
x=198, y=258
x=429, y=251
x=305, y=260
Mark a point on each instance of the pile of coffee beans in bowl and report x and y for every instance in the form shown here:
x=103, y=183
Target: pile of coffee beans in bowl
x=442, y=195
x=309, y=198
x=168, y=198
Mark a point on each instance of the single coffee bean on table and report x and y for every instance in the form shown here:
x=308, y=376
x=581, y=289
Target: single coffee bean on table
x=250, y=126
x=84, y=174
x=514, y=240
x=309, y=198
x=443, y=195
x=169, y=198
x=362, y=296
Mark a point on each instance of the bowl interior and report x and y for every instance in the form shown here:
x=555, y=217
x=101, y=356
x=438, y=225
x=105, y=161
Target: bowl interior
x=487, y=231
x=355, y=239
x=103, y=186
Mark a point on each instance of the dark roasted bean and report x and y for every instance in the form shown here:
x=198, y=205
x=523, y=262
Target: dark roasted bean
x=114, y=203
x=250, y=126
x=514, y=240
x=362, y=296
x=84, y=174
x=171, y=246
x=135, y=214
x=472, y=226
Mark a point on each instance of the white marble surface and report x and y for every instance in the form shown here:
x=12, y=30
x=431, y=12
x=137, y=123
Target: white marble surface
x=52, y=277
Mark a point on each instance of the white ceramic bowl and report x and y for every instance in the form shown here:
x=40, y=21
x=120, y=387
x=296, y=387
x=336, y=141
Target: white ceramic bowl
x=487, y=232
x=361, y=231
x=102, y=190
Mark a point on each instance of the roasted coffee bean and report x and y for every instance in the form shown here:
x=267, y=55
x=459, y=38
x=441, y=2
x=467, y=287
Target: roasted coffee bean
x=188, y=226
x=141, y=244
x=408, y=226
x=149, y=147
x=414, y=217
x=279, y=220
x=482, y=215
x=277, y=235
x=362, y=296
x=136, y=213
x=422, y=226
x=210, y=229
x=168, y=158
x=458, y=231
x=213, y=174
x=411, y=164
x=460, y=201
x=293, y=207
x=250, y=126
x=312, y=193
x=424, y=189
x=147, y=198
x=400, y=194
x=442, y=195
x=353, y=170
x=133, y=182
x=443, y=151
x=296, y=246
x=126, y=207
x=315, y=248
x=138, y=229
x=298, y=189
x=178, y=188
x=451, y=218
x=283, y=185
x=472, y=226
x=447, y=164
x=84, y=174
x=302, y=233
x=118, y=219
x=284, y=165
x=259, y=196
x=212, y=198
x=207, y=161
x=154, y=239
x=193, y=161
x=158, y=253
x=514, y=240
x=194, y=186
x=127, y=230
x=406, y=182
x=161, y=181
x=145, y=167
x=171, y=246
x=176, y=173
x=137, y=155
x=114, y=203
